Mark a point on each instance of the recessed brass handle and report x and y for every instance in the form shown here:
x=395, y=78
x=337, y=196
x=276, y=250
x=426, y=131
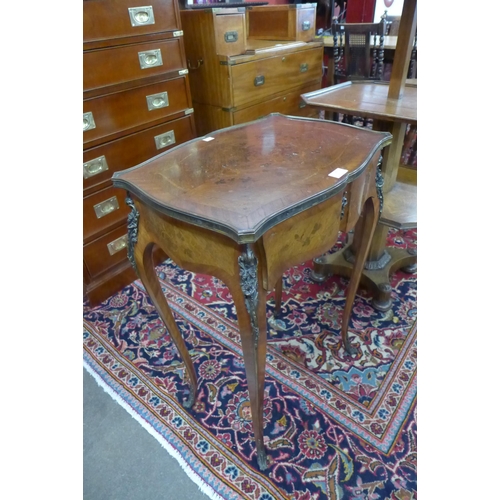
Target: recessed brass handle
x=150, y=58
x=141, y=16
x=106, y=207
x=88, y=121
x=304, y=67
x=259, y=80
x=118, y=244
x=94, y=167
x=157, y=101
x=231, y=36
x=306, y=25
x=164, y=140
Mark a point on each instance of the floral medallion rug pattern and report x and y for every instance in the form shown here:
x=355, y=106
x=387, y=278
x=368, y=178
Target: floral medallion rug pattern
x=336, y=426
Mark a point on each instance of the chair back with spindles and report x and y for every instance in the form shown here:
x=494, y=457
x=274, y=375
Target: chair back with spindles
x=358, y=50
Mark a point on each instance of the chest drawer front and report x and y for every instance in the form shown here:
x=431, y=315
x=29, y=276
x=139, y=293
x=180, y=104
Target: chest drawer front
x=306, y=25
x=230, y=34
x=121, y=111
x=112, y=19
x=132, y=150
x=288, y=104
x=106, y=251
x=257, y=80
x=102, y=210
x=105, y=67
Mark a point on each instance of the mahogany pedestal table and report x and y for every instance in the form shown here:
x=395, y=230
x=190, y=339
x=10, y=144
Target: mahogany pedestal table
x=246, y=203
x=370, y=99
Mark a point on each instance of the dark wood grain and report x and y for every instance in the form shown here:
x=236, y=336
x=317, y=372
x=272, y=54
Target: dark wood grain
x=258, y=171
x=121, y=113
x=367, y=99
x=116, y=65
x=105, y=20
x=134, y=149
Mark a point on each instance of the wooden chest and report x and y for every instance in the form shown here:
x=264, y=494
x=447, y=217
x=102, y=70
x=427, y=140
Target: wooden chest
x=282, y=22
x=231, y=84
x=136, y=104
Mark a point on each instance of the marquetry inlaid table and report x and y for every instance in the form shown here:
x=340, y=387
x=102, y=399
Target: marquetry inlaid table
x=246, y=203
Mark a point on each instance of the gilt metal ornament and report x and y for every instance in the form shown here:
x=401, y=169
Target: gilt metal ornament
x=248, y=277
x=132, y=229
x=379, y=182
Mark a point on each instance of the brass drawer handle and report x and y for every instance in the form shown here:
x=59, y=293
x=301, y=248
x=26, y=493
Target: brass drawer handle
x=157, y=101
x=106, y=207
x=118, y=244
x=259, y=80
x=164, y=140
x=304, y=67
x=141, y=16
x=231, y=36
x=88, y=121
x=94, y=167
x=150, y=58
x=302, y=104
x=306, y=25
x=199, y=63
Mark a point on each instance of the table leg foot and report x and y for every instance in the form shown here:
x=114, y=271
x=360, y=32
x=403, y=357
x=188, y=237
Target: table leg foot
x=382, y=302
x=188, y=403
x=320, y=271
x=411, y=268
x=349, y=348
x=262, y=459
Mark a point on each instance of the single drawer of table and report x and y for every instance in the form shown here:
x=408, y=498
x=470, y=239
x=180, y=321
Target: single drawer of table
x=101, y=162
x=106, y=251
x=112, y=114
x=102, y=210
x=257, y=80
x=112, y=19
x=104, y=67
x=288, y=104
x=282, y=22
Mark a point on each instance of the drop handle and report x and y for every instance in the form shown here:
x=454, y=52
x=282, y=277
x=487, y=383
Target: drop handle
x=199, y=64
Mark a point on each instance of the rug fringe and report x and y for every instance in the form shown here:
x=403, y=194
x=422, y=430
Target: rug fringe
x=204, y=487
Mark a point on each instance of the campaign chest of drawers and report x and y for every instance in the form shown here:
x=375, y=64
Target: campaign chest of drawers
x=236, y=78
x=136, y=104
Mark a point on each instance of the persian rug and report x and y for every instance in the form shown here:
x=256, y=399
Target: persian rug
x=336, y=426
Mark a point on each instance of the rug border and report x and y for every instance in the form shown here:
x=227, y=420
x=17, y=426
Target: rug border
x=202, y=485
